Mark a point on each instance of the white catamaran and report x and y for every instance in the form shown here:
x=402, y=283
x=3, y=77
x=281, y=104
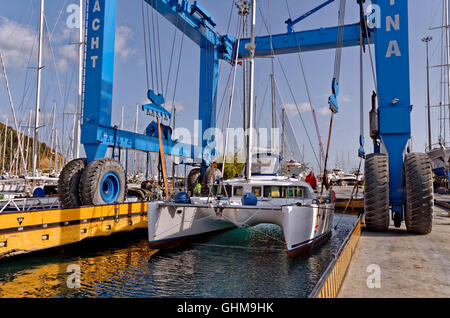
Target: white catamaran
x=260, y=197
x=265, y=198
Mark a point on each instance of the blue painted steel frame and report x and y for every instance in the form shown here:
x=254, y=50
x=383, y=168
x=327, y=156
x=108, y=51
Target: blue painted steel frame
x=290, y=23
x=303, y=41
x=195, y=22
x=392, y=66
x=394, y=109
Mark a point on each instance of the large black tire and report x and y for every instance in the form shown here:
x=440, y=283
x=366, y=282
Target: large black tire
x=419, y=193
x=193, y=178
x=91, y=187
x=207, y=178
x=68, y=183
x=376, y=192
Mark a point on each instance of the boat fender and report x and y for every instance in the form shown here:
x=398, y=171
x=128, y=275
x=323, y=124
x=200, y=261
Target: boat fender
x=38, y=193
x=316, y=201
x=182, y=198
x=249, y=199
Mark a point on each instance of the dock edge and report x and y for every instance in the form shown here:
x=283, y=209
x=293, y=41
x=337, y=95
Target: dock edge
x=331, y=280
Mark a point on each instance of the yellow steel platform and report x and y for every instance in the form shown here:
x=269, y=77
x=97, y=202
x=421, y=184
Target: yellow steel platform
x=24, y=232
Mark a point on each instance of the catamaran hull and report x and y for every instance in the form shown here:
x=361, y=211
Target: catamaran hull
x=304, y=227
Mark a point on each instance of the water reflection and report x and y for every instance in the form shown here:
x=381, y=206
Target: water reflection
x=241, y=263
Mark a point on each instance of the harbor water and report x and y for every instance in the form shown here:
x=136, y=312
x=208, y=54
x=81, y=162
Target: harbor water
x=240, y=263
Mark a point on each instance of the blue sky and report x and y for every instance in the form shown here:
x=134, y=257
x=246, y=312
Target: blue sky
x=18, y=42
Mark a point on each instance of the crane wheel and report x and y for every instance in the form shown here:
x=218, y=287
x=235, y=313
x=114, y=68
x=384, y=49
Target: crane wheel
x=376, y=192
x=193, y=178
x=103, y=182
x=207, y=178
x=68, y=183
x=419, y=193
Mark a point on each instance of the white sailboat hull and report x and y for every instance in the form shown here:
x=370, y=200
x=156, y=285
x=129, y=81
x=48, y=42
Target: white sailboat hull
x=304, y=227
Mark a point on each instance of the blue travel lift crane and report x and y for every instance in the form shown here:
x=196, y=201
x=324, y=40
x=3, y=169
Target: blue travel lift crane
x=394, y=178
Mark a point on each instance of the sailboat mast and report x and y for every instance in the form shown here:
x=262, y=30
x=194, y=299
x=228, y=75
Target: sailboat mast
x=136, y=130
x=244, y=10
x=251, y=48
x=52, y=135
x=38, y=90
x=76, y=144
x=282, y=133
x=56, y=149
x=427, y=40
x=447, y=52
x=4, y=146
x=28, y=140
x=274, y=123
x=11, y=104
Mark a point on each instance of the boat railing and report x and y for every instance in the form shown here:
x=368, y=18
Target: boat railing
x=437, y=145
x=26, y=204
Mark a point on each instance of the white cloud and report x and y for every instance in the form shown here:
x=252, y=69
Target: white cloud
x=323, y=111
x=291, y=109
x=345, y=99
x=122, y=46
x=180, y=106
x=67, y=54
x=16, y=42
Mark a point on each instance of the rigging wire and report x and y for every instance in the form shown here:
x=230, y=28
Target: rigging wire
x=308, y=93
x=301, y=118
x=53, y=58
x=171, y=54
x=337, y=71
x=159, y=48
x=150, y=53
x=294, y=99
x=145, y=45
x=154, y=50
x=340, y=39
x=178, y=70
x=260, y=109
x=234, y=67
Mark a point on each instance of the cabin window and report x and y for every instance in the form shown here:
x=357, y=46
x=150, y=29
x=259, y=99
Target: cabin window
x=294, y=192
x=256, y=191
x=283, y=192
x=274, y=192
x=237, y=191
x=291, y=192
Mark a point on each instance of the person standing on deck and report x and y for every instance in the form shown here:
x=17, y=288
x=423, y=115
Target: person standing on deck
x=311, y=179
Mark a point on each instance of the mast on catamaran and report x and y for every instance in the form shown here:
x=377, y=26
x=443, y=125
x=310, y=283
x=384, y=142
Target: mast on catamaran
x=447, y=57
x=251, y=48
x=38, y=90
x=77, y=138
